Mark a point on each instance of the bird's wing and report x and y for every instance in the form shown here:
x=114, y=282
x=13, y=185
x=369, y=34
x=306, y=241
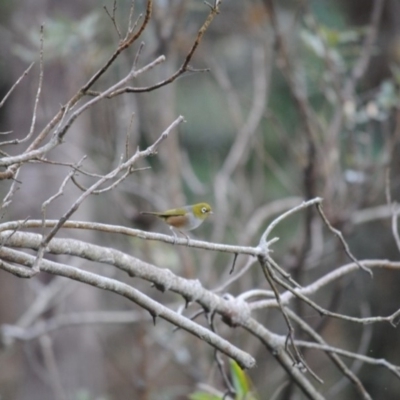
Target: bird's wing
x=175, y=212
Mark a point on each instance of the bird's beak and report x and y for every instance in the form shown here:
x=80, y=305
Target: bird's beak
x=211, y=212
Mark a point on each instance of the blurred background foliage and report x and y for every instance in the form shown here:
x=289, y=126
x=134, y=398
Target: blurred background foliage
x=324, y=41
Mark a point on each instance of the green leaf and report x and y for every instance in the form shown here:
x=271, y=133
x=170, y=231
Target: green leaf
x=240, y=380
x=241, y=383
x=204, y=396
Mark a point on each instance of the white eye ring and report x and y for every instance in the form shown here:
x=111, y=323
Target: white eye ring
x=204, y=210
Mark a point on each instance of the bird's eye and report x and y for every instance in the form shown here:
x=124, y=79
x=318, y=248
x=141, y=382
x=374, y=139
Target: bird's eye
x=204, y=210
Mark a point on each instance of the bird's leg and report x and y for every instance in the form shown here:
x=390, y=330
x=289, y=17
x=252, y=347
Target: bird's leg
x=186, y=236
x=175, y=236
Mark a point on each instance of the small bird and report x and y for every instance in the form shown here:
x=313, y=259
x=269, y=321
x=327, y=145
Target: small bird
x=185, y=218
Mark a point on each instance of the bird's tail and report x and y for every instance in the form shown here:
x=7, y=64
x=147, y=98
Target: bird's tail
x=149, y=213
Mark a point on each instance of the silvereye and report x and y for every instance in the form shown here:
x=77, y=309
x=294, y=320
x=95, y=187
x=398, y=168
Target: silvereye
x=185, y=218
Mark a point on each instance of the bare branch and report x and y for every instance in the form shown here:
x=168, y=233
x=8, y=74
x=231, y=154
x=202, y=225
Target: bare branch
x=184, y=67
x=153, y=307
x=323, y=281
x=252, y=251
x=276, y=221
x=339, y=363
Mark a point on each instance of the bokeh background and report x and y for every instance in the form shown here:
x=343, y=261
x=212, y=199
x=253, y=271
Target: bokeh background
x=264, y=130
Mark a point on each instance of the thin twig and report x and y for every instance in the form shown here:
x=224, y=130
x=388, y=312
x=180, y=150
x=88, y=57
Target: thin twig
x=58, y=137
x=220, y=364
x=7, y=95
x=368, y=360
x=130, y=26
x=341, y=238
x=113, y=185
x=320, y=283
x=183, y=68
x=126, y=165
x=39, y=90
x=335, y=359
x=279, y=219
x=394, y=209
x=235, y=256
x=298, y=359
x=113, y=19
x=122, y=46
